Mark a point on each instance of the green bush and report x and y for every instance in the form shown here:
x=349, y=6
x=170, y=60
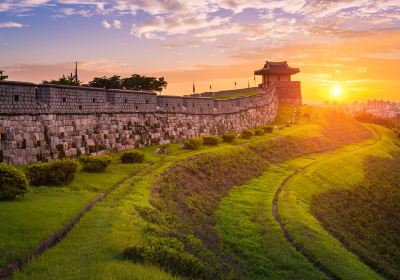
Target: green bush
x=176, y=261
x=132, y=157
x=259, y=132
x=56, y=173
x=95, y=163
x=247, y=134
x=268, y=129
x=211, y=140
x=228, y=137
x=12, y=182
x=193, y=143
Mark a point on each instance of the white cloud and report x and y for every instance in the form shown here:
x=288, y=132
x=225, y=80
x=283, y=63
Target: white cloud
x=105, y=24
x=10, y=24
x=117, y=24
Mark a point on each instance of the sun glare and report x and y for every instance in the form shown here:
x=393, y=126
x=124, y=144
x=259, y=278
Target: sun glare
x=336, y=91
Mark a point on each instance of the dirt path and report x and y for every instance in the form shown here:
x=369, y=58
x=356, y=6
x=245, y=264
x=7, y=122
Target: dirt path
x=286, y=233
x=56, y=237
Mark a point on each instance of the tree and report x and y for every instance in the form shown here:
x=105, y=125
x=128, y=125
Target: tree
x=113, y=82
x=70, y=80
x=139, y=82
x=3, y=77
x=134, y=82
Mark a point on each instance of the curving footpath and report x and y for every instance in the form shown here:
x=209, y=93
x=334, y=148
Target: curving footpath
x=56, y=237
x=289, y=239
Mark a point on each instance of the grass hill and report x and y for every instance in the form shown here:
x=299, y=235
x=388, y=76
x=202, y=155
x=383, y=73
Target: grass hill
x=366, y=217
x=208, y=213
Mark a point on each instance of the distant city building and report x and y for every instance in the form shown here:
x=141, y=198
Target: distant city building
x=379, y=108
x=279, y=74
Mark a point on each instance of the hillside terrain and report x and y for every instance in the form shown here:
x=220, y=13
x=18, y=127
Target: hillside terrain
x=315, y=199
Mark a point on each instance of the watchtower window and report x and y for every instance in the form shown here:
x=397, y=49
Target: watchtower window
x=126, y=101
x=94, y=100
x=193, y=105
x=179, y=105
x=80, y=107
x=64, y=99
x=147, y=101
x=136, y=107
x=16, y=97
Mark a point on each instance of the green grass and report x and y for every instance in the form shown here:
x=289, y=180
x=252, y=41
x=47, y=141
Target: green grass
x=248, y=229
x=342, y=169
x=117, y=214
x=236, y=95
x=28, y=220
x=43, y=210
x=138, y=214
x=285, y=113
x=366, y=217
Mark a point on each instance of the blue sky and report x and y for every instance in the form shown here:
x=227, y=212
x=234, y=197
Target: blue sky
x=355, y=43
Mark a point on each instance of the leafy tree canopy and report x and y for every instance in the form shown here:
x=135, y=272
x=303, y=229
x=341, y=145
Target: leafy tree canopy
x=134, y=82
x=64, y=80
x=3, y=77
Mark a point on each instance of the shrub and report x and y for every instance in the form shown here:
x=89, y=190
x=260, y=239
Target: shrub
x=268, y=129
x=132, y=157
x=259, y=132
x=193, y=143
x=95, y=163
x=211, y=140
x=228, y=137
x=56, y=173
x=12, y=182
x=246, y=134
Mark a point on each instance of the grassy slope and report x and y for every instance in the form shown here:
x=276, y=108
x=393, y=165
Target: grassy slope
x=26, y=226
x=366, y=217
x=258, y=240
x=117, y=215
x=188, y=195
x=248, y=229
x=93, y=249
x=249, y=93
x=337, y=170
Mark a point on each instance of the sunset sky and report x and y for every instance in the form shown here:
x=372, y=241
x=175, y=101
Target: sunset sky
x=354, y=44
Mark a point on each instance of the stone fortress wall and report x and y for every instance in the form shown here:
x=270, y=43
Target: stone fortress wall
x=47, y=122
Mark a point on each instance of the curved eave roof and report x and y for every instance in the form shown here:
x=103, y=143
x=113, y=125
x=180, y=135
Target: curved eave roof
x=281, y=68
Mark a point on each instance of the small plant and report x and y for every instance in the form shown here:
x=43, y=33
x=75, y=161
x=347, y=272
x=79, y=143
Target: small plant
x=193, y=143
x=95, y=163
x=132, y=157
x=228, y=137
x=13, y=182
x=268, y=129
x=163, y=149
x=56, y=173
x=247, y=134
x=259, y=132
x=211, y=140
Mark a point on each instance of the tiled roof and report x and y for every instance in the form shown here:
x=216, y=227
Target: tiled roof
x=277, y=68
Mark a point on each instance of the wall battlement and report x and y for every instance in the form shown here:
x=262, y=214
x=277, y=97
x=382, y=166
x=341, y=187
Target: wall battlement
x=31, y=99
x=47, y=122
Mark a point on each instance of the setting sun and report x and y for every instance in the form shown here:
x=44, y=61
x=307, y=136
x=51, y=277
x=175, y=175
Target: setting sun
x=336, y=91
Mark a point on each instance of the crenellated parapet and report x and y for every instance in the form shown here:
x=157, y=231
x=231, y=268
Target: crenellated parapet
x=31, y=99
